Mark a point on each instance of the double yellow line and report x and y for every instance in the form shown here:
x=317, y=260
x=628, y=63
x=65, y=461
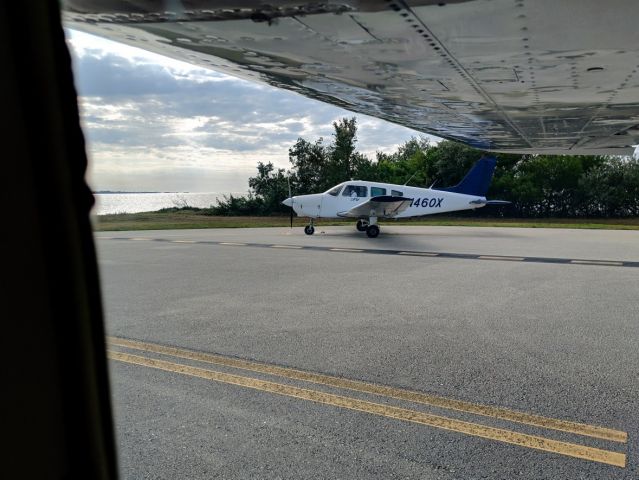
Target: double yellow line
x=507, y=436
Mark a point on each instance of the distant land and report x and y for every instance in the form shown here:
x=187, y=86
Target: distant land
x=118, y=191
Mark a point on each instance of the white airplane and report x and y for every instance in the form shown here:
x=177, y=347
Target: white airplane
x=369, y=201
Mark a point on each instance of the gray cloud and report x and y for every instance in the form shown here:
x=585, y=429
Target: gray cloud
x=112, y=75
x=128, y=103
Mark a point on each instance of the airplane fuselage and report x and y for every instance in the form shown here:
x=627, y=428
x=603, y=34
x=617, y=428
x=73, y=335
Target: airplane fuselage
x=337, y=201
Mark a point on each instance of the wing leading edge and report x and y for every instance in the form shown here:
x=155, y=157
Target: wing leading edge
x=385, y=206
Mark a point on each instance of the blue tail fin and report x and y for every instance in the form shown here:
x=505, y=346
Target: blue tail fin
x=477, y=180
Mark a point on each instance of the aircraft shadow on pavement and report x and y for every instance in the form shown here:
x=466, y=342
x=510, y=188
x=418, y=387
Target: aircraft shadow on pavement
x=424, y=231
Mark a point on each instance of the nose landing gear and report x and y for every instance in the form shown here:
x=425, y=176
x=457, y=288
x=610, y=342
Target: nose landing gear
x=309, y=229
x=361, y=225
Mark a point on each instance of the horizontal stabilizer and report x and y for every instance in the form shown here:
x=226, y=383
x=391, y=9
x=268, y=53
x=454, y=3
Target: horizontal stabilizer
x=483, y=201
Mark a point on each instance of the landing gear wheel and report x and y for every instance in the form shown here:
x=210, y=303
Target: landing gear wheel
x=361, y=225
x=309, y=230
x=372, y=231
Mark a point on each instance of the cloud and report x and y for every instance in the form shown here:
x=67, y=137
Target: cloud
x=111, y=75
x=144, y=113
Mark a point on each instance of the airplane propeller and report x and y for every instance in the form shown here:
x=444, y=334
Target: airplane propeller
x=288, y=179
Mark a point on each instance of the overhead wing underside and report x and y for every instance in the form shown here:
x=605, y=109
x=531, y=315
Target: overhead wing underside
x=543, y=76
x=383, y=207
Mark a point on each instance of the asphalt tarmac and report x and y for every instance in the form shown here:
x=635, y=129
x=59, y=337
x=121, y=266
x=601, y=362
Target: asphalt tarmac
x=429, y=352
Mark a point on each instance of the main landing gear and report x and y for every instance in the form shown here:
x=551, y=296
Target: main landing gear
x=309, y=229
x=371, y=228
x=372, y=231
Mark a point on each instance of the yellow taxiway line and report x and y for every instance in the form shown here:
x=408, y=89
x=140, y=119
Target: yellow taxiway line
x=524, y=440
x=386, y=391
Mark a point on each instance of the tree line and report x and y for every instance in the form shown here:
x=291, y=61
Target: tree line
x=537, y=185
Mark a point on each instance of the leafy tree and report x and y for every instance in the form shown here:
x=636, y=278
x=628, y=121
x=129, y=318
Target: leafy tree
x=309, y=162
x=538, y=185
x=408, y=164
x=238, y=206
x=271, y=186
x=450, y=161
x=342, y=158
x=611, y=188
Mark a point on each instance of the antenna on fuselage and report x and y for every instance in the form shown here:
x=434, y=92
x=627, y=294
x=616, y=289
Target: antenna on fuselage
x=411, y=177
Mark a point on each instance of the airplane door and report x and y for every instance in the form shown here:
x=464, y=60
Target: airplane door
x=342, y=200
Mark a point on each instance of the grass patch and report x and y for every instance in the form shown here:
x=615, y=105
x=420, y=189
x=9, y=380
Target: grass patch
x=176, y=219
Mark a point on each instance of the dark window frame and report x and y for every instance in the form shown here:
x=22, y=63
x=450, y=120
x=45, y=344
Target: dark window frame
x=349, y=189
x=380, y=189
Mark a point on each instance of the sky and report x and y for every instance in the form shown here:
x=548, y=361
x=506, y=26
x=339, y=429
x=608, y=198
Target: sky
x=157, y=124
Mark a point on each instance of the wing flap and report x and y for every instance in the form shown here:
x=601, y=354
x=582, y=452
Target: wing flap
x=385, y=206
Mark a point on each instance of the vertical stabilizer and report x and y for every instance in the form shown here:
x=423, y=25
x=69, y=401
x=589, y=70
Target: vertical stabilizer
x=477, y=180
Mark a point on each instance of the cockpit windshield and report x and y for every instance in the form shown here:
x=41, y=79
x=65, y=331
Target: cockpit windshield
x=335, y=190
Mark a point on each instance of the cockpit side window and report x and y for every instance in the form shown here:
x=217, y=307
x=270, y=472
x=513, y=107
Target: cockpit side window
x=355, y=191
x=397, y=193
x=335, y=191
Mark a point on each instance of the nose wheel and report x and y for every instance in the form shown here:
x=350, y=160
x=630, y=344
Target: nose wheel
x=309, y=229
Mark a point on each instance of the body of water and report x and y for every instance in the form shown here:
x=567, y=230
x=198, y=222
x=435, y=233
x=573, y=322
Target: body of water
x=106, y=203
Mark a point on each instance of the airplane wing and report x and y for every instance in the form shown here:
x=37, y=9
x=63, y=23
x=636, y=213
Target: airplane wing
x=384, y=206
x=543, y=76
